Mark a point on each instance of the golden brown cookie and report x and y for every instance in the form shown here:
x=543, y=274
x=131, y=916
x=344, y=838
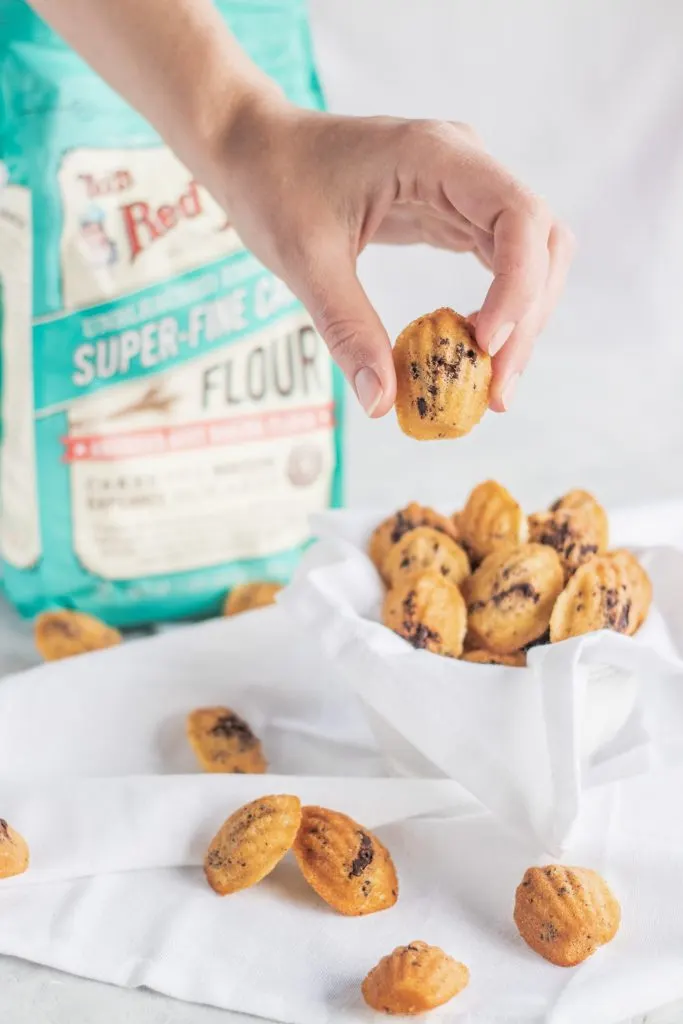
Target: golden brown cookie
x=612, y=591
x=62, y=634
x=391, y=530
x=442, y=377
x=14, y=854
x=576, y=535
x=251, y=843
x=425, y=549
x=565, y=914
x=429, y=612
x=511, y=597
x=585, y=502
x=481, y=657
x=247, y=596
x=345, y=864
x=414, y=979
x=224, y=742
x=641, y=585
x=491, y=521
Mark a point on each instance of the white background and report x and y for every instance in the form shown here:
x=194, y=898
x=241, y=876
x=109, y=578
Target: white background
x=584, y=100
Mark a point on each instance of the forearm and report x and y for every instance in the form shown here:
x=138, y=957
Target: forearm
x=173, y=60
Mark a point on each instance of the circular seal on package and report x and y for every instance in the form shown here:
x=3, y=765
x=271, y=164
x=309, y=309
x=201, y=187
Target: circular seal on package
x=304, y=465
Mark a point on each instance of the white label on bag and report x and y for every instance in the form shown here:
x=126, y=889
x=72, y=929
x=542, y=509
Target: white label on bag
x=222, y=458
x=133, y=217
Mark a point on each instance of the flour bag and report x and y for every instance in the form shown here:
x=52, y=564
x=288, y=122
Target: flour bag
x=170, y=418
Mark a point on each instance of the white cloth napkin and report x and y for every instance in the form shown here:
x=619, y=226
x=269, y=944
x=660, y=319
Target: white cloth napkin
x=96, y=773
x=525, y=742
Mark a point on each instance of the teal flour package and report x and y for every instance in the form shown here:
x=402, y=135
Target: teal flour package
x=170, y=419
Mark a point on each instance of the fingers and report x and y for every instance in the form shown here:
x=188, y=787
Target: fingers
x=452, y=171
x=520, y=269
x=352, y=331
x=512, y=359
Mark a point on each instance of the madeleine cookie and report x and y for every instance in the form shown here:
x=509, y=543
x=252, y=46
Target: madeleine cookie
x=429, y=612
x=251, y=843
x=62, y=634
x=511, y=597
x=584, y=502
x=414, y=979
x=391, y=530
x=245, y=597
x=442, y=377
x=14, y=854
x=481, y=657
x=565, y=914
x=224, y=742
x=346, y=865
x=641, y=584
x=490, y=521
x=423, y=549
x=575, y=534
x=612, y=591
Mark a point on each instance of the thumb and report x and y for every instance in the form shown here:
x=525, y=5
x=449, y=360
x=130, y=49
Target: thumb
x=353, y=333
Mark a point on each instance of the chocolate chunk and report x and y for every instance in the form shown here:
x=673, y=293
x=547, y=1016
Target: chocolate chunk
x=622, y=622
x=63, y=628
x=4, y=829
x=229, y=726
x=401, y=527
x=421, y=635
x=364, y=856
x=422, y=407
x=498, y=596
x=524, y=589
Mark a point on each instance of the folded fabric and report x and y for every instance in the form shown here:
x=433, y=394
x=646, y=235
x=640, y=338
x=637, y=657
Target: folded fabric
x=582, y=753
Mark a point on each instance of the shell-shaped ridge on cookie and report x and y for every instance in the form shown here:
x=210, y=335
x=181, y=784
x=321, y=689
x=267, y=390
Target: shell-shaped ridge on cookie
x=511, y=597
x=426, y=549
x=565, y=914
x=491, y=520
x=414, y=979
x=429, y=612
x=392, y=529
x=344, y=863
x=252, y=842
x=443, y=377
x=612, y=591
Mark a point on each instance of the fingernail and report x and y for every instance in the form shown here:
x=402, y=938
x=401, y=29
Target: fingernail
x=509, y=391
x=368, y=389
x=499, y=338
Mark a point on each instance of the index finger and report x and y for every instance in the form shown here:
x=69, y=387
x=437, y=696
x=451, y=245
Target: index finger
x=520, y=269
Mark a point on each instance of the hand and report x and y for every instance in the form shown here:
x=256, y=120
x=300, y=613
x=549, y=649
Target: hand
x=308, y=191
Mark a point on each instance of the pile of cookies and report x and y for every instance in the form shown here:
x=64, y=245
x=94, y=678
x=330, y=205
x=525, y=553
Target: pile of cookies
x=489, y=582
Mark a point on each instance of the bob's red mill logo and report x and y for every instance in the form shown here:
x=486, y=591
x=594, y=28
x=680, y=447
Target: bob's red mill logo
x=145, y=223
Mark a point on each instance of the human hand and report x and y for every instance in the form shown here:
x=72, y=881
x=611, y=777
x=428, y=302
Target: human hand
x=308, y=191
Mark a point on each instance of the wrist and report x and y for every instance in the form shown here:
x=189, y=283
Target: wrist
x=242, y=125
